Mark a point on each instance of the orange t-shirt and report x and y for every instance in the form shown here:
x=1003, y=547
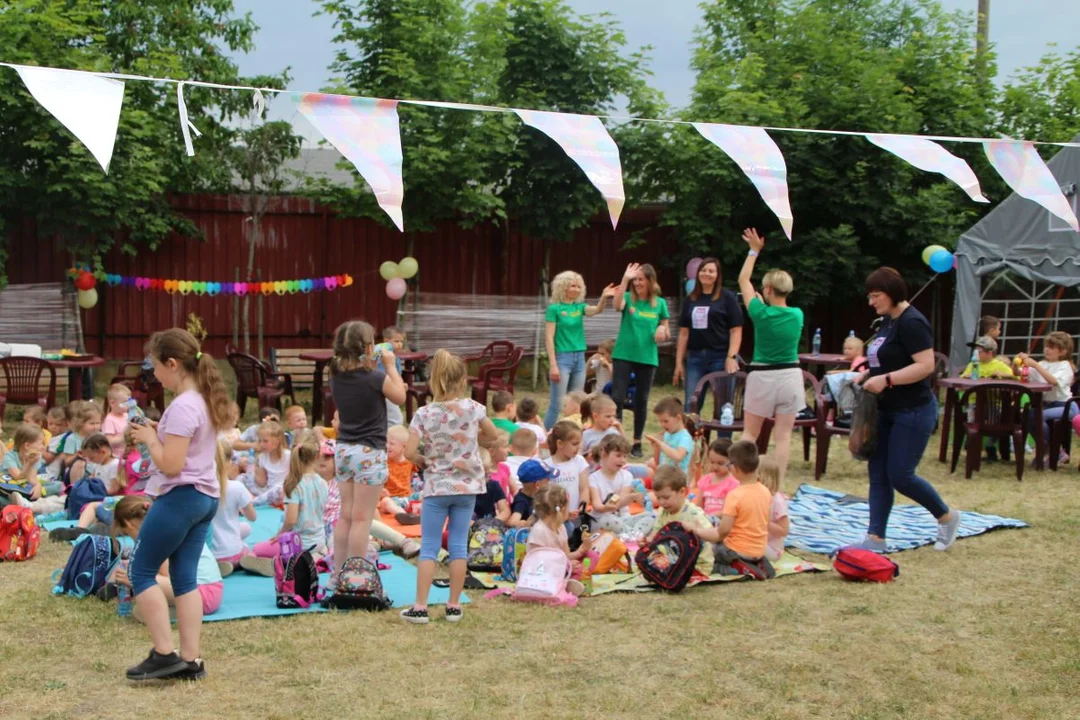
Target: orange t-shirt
x=399, y=478
x=749, y=504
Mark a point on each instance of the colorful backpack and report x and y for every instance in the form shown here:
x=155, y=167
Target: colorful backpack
x=861, y=565
x=359, y=587
x=486, y=545
x=514, y=547
x=19, y=534
x=82, y=493
x=289, y=545
x=611, y=554
x=543, y=577
x=668, y=559
x=88, y=567
x=296, y=581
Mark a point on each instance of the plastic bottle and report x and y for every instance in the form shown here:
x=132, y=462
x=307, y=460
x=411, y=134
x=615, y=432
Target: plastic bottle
x=639, y=487
x=851, y=333
x=123, y=592
x=817, y=342
x=727, y=414
x=137, y=417
x=586, y=575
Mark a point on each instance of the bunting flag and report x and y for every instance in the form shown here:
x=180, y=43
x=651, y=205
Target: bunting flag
x=366, y=132
x=587, y=142
x=1020, y=166
x=200, y=287
x=755, y=152
x=928, y=156
x=84, y=103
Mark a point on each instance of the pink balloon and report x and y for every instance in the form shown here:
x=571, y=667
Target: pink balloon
x=692, y=268
x=395, y=288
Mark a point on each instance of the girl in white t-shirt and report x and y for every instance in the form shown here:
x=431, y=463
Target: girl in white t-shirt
x=564, y=441
x=271, y=464
x=1057, y=370
x=227, y=531
x=611, y=486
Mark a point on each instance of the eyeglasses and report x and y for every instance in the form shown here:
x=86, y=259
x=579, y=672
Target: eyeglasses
x=874, y=295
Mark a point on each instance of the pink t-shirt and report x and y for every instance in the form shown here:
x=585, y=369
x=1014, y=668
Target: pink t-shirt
x=713, y=491
x=540, y=535
x=777, y=510
x=857, y=362
x=187, y=416
x=115, y=425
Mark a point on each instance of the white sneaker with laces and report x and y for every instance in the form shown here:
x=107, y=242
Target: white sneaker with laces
x=947, y=531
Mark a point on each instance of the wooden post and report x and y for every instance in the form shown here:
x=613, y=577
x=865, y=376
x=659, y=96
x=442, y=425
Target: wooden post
x=982, y=28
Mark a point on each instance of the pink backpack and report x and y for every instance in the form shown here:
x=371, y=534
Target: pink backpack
x=543, y=577
x=289, y=545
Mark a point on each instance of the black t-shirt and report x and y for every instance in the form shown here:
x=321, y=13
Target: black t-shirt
x=893, y=348
x=485, y=504
x=522, y=505
x=710, y=321
x=361, y=407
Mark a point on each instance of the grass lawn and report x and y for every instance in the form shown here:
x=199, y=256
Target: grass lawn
x=990, y=629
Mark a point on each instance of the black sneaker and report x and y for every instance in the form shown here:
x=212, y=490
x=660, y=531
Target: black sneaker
x=635, y=451
x=453, y=614
x=158, y=667
x=417, y=617
x=196, y=670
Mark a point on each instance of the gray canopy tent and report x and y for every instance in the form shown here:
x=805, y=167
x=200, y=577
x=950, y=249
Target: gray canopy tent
x=1018, y=239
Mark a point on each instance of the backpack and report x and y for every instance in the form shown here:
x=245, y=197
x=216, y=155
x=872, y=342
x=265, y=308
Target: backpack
x=543, y=577
x=359, y=587
x=296, y=580
x=861, y=565
x=846, y=399
x=514, y=548
x=82, y=493
x=486, y=545
x=88, y=567
x=19, y=534
x=668, y=559
x=289, y=545
x=611, y=554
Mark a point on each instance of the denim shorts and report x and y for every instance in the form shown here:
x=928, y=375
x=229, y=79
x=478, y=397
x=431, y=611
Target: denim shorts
x=360, y=464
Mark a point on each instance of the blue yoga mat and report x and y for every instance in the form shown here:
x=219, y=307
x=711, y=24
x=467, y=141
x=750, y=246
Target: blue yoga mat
x=821, y=523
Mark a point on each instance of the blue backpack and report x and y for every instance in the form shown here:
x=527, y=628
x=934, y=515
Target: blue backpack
x=514, y=546
x=91, y=561
x=87, y=490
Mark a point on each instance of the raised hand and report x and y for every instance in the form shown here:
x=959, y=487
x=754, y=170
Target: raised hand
x=631, y=271
x=755, y=241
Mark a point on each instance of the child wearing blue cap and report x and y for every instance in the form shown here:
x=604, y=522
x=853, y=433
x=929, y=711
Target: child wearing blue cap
x=533, y=476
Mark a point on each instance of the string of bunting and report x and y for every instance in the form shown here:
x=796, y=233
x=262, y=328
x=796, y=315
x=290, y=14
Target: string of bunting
x=200, y=287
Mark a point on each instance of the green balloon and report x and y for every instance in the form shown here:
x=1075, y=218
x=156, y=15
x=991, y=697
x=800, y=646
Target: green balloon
x=388, y=270
x=407, y=268
x=929, y=251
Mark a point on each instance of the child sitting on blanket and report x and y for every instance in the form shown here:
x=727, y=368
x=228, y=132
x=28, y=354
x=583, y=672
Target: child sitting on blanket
x=23, y=474
x=227, y=533
x=296, y=422
x=249, y=439
x=611, y=489
x=305, y=503
x=96, y=459
x=114, y=425
x=779, y=525
x=528, y=417
x=57, y=421
x=271, y=464
x=602, y=412
x=85, y=421
x=523, y=446
x=503, y=412
x=743, y=533
x=669, y=484
x=400, y=470
x=553, y=511
x=713, y=488
x=34, y=415
x=534, y=476
x=493, y=502
x=571, y=409
x=573, y=469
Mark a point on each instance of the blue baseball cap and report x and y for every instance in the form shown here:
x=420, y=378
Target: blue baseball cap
x=534, y=471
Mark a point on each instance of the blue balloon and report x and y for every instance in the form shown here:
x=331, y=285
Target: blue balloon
x=689, y=286
x=941, y=261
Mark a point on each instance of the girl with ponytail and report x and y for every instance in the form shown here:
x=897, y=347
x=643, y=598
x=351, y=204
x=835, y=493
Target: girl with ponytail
x=186, y=484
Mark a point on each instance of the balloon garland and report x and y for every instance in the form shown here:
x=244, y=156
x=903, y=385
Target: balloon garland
x=199, y=287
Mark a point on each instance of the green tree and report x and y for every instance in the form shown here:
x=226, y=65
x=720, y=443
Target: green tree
x=47, y=175
x=1043, y=102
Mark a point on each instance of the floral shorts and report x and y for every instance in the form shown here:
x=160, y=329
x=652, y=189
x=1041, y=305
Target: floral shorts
x=360, y=464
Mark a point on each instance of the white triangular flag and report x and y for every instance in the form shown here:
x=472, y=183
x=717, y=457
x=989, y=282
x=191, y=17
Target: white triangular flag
x=1022, y=168
x=86, y=104
x=927, y=155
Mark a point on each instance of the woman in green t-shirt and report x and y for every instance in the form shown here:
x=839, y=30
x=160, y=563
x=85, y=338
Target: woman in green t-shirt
x=565, y=336
x=774, y=387
x=644, y=325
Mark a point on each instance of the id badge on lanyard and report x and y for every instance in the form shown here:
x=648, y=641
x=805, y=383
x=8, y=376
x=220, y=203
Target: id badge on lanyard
x=875, y=346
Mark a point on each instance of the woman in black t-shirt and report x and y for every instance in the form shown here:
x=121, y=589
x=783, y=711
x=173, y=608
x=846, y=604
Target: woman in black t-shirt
x=710, y=330
x=901, y=360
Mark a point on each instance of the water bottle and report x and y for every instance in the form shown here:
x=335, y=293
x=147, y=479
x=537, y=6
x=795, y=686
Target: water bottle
x=727, y=414
x=586, y=575
x=123, y=592
x=817, y=341
x=851, y=333
x=639, y=487
x=137, y=417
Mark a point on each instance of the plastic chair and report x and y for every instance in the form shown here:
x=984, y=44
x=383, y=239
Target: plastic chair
x=144, y=387
x=824, y=429
x=22, y=382
x=497, y=375
x=1061, y=430
x=997, y=414
x=254, y=379
x=727, y=388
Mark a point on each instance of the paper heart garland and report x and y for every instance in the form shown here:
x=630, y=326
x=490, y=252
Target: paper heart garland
x=280, y=287
x=267, y=288
x=331, y=282
x=170, y=286
x=348, y=280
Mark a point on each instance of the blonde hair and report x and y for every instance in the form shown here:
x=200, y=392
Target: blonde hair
x=780, y=282
x=304, y=454
x=82, y=414
x=561, y=282
x=221, y=465
x=293, y=410
x=399, y=433
x=353, y=342
x=449, y=377
x=550, y=500
x=129, y=509
x=485, y=458
x=523, y=442
x=1062, y=341
x=854, y=340
x=181, y=346
x=769, y=474
x=577, y=396
x=26, y=433
x=119, y=393
x=274, y=429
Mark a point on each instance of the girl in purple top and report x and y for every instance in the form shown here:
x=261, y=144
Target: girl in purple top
x=187, y=485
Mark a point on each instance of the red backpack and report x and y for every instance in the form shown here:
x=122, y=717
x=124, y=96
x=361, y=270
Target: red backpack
x=19, y=534
x=861, y=565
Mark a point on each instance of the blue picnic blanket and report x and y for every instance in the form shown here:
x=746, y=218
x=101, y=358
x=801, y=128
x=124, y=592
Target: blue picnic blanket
x=825, y=520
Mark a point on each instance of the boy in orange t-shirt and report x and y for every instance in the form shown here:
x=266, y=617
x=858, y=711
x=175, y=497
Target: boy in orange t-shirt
x=743, y=533
x=395, y=494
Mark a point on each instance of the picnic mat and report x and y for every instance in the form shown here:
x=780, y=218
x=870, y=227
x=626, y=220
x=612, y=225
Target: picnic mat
x=825, y=520
x=789, y=564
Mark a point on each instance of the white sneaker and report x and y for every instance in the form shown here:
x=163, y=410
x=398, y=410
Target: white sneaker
x=947, y=531
x=20, y=500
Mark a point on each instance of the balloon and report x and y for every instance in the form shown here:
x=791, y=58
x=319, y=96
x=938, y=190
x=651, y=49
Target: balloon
x=929, y=251
x=941, y=261
x=85, y=281
x=407, y=268
x=87, y=298
x=388, y=270
x=395, y=289
x=690, y=286
x=692, y=268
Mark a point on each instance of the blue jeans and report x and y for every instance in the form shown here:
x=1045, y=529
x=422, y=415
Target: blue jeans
x=571, y=378
x=901, y=442
x=174, y=529
x=700, y=363
x=433, y=515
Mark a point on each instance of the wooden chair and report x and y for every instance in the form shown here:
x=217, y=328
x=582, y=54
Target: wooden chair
x=1061, y=430
x=21, y=379
x=497, y=374
x=254, y=379
x=997, y=414
x=145, y=388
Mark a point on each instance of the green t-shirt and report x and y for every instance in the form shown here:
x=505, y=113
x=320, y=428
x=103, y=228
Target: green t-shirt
x=569, y=329
x=777, y=331
x=504, y=424
x=636, y=341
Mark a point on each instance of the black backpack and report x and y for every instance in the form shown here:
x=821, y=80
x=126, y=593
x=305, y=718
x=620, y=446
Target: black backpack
x=296, y=581
x=668, y=560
